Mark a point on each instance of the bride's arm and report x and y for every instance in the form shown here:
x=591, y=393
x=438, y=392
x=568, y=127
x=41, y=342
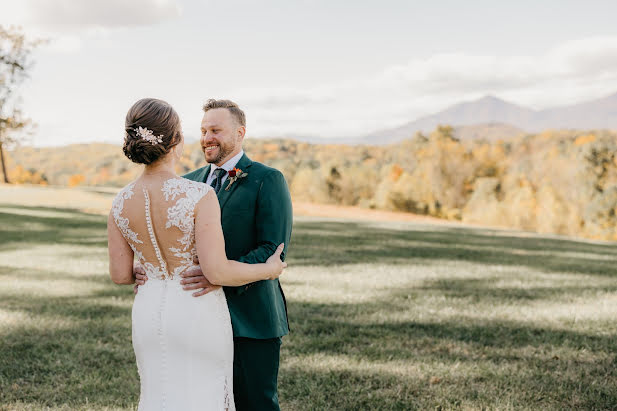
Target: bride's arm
x=120, y=255
x=210, y=245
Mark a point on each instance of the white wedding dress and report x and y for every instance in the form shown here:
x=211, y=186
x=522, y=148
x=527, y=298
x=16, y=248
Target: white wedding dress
x=183, y=344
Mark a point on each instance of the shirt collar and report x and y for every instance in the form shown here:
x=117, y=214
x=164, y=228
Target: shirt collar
x=229, y=164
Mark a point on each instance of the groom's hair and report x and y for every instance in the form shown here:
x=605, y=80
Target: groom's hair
x=233, y=108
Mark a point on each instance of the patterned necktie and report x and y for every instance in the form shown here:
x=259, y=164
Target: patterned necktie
x=217, y=183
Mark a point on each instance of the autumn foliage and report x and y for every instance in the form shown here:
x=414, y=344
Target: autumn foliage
x=562, y=182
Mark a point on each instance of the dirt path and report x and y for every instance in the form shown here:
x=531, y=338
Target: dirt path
x=328, y=210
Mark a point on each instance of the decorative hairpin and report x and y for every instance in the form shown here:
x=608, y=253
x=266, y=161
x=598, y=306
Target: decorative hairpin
x=148, y=135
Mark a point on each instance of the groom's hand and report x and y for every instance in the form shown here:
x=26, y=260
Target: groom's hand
x=194, y=279
x=140, y=275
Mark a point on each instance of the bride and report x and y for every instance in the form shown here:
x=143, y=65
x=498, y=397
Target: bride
x=164, y=221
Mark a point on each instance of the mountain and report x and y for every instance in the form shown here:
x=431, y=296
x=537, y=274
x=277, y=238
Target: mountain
x=600, y=113
x=486, y=110
x=490, y=110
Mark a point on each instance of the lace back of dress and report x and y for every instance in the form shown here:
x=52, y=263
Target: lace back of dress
x=159, y=224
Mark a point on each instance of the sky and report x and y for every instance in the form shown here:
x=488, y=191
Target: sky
x=325, y=68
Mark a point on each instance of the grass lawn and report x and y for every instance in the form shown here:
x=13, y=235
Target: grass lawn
x=384, y=315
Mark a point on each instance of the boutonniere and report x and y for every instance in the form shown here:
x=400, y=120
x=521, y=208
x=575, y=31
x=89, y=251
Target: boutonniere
x=234, y=175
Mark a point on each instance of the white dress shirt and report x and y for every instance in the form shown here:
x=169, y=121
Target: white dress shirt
x=229, y=165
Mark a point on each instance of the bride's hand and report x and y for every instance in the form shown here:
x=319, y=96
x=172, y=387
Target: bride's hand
x=276, y=264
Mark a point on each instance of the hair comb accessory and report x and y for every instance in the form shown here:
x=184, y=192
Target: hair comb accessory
x=148, y=135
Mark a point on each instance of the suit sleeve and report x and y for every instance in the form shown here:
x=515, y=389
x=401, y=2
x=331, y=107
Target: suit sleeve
x=273, y=220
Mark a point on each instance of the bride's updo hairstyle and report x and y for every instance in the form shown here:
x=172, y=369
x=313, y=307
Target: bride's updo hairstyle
x=152, y=129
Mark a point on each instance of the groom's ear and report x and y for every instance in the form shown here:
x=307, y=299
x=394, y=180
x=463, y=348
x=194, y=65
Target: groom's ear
x=241, y=132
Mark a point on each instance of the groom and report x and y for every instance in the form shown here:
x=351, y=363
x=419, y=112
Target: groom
x=256, y=216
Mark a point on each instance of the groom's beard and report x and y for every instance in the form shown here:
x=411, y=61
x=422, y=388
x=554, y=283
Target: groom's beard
x=223, y=151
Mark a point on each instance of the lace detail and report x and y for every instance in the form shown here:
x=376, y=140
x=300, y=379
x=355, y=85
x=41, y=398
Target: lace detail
x=184, y=195
x=182, y=216
x=122, y=222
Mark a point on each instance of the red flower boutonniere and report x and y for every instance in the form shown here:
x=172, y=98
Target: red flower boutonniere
x=234, y=175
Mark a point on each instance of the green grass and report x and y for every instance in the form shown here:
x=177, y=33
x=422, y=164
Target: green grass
x=391, y=316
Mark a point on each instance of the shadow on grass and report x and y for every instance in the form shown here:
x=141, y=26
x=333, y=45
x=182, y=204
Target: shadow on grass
x=90, y=363
x=474, y=363
x=327, y=243
x=72, y=351
x=487, y=291
x=79, y=354
x=536, y=389
x=347, y=329
x=71, y=308
x=8, y=273
x=50, y=226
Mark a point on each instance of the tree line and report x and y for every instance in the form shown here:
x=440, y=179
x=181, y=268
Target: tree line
x=562, y=182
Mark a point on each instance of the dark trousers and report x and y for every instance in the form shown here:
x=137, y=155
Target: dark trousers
x=256, y=368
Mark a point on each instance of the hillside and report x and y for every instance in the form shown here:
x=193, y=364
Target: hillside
x=562, y=182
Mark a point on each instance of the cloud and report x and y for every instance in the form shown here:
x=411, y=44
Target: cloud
x=591, y=57
x=72, y=15
x=67, y=22
x=568, y=73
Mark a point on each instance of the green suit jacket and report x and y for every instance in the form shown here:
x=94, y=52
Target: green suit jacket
x=256, y=216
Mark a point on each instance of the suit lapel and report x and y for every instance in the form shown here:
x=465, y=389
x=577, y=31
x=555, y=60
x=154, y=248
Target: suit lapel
x=224, y=194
